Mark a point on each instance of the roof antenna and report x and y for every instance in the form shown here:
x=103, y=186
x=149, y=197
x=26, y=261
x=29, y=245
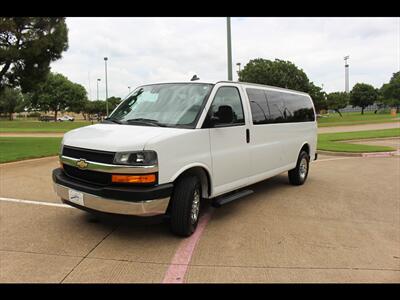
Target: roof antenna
x=194, y=78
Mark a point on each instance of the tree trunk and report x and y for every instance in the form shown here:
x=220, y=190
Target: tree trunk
x=339, y=113
x=11, y=116
x=5, y=69
x=55, y=115
x=362, y=110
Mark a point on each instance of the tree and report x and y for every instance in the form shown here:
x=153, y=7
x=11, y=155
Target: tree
x=11, y=101
x=27, y=46
x=363, y=95
x=318, y=96
x=57, y=93
x=337, y=101
x=97, y=107
x=113, y=103
x=278, y=73
x=390, y=92
x=283, y=74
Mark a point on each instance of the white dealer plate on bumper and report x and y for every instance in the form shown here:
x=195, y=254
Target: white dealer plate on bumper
x=75, y=197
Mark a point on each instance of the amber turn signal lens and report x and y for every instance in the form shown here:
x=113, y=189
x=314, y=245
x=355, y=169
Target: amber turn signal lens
x=148, y=178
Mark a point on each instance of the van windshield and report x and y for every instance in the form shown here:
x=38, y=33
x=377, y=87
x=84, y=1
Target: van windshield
x=166, y=105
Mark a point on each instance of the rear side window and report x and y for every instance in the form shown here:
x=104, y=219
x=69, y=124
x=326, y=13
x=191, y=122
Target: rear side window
x=258, y=105
x=299, y=108
x=287, y=107
x=277, y=109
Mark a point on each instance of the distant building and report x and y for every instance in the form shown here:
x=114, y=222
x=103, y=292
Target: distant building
x=350, y=108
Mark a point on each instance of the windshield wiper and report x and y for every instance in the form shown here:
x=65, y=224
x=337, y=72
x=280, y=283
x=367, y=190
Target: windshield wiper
x=113, y=120
x=146, y=121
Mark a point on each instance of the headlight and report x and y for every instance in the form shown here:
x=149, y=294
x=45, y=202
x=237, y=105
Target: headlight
x=139, y=158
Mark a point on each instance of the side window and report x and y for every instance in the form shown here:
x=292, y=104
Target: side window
x=277, y=109
x=258, y=105
x=306, y=112
x=226, y=96
x=299, y=108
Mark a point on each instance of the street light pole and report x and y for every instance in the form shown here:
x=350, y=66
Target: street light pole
x=238, y=64
x=105, y=62
x=346, y=74
x=228, y=28
x=98, y=80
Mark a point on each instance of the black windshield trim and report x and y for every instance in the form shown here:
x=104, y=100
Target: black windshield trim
x=112, y=120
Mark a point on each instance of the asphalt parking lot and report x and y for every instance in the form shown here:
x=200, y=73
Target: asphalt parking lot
x=343, y=225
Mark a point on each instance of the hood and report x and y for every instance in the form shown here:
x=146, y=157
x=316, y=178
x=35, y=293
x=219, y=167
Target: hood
x=115, y=137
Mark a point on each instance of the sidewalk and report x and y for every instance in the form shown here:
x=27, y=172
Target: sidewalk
x=31, y=134
x=361, y=127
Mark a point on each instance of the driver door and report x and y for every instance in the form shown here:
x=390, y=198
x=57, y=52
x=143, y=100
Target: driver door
x=228, y=141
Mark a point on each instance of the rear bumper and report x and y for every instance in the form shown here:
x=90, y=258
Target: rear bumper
x=143, y=201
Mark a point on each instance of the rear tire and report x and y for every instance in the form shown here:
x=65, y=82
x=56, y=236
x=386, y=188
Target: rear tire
x=185, y=206
x=298, y=175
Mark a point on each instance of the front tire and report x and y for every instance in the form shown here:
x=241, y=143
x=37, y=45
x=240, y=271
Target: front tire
x=298, y=175
x=185, y=206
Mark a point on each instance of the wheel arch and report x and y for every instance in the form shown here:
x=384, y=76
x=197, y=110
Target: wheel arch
x=306, y=147
x=202, y=172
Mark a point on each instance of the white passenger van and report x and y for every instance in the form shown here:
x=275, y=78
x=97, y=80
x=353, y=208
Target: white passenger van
x=168, y=146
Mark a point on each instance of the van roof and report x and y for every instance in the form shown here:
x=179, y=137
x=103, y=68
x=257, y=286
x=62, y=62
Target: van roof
x=263, y=85
x=238, y=82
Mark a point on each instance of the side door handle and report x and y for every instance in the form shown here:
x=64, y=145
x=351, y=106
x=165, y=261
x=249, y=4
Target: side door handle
x=247, y=135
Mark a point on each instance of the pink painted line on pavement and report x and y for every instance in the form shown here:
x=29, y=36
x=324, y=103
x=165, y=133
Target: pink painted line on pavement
x=180, y=262
x=378, y=154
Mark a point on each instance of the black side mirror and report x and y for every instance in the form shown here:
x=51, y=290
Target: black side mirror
x=224, y=115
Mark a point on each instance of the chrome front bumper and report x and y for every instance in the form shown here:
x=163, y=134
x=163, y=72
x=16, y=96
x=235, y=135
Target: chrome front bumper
x=141, y=208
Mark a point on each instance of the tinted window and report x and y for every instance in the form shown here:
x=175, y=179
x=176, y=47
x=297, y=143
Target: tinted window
x=258, y=105
x=299, y=108
x=287, y=107
x=276, y=104
x=226, y=96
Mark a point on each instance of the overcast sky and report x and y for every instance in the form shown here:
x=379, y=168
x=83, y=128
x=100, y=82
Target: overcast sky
x=148, y=50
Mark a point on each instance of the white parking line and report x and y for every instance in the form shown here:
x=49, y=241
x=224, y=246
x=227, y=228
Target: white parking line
x=34, y=202
x=67, y=206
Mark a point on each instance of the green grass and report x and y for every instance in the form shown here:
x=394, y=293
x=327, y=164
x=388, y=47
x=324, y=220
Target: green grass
x=369, y=117
x=19, y=148
x=332, y=120
x=330, y=141
x=37, y=126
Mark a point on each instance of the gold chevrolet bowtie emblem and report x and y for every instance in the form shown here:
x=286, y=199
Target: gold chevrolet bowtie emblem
x=82, y=164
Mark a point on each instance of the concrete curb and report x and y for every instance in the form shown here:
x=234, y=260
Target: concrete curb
x=366, y=154
x=32, y=134
x=370, y=140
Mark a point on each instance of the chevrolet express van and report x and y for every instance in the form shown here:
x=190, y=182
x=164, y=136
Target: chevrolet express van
x=168, y=146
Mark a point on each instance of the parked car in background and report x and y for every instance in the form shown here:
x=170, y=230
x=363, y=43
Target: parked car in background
x=65, y=118
x=169, y=146
x=46, y=118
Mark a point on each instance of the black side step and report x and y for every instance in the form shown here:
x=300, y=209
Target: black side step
x=232, y=197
